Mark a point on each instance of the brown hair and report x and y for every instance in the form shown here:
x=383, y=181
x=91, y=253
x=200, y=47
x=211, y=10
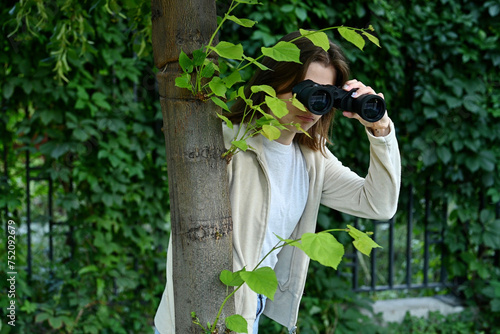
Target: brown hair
x=283, y=76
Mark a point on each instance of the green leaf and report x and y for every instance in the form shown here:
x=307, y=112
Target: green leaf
x=430, y=112
x=372, y=38
x=322, y=247
x=472, y=102
x=487, y=160
x=242, y=22
x=41, y=317
x=229, y=50
x=491, y=235
x=241, y=144
x=87, y=269
x=225, y=119
x=218, y=87
x=495, y=303
x=184, y=81
x=262, y=281
x=283, y=51
x=185, y=62
x=271, y=132
x=80, y=134
x=362, y=241
x=29, y=307
x=277, y=106
x=82, y=93
x=59, y=150
x=220, y=103
x=56, y=322
x=319, y=39
x=199, y=57
x=453, y=102
x=444, y=154
x=256, y=63
x=352, y=36
x=100, y=100
x=8, y=89
x=233, y=78
x=266, y=119
x=80, y=104
x=473, y=164
x=231, y=279
x=301, y=13
x=264, y=88
x=241, y=92
x=492, y=239
x=494, y=10
x=100, y=287
x=208, y=70
x=237, y=323
x=297, y=125
x=297, y=104
x=479, y=267
x=428, y=98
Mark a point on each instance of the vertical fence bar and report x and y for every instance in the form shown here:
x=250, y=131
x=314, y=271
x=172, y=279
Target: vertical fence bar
x=497, y=253
x=356, y=263
x=28, y=210
x=71, y=241
x=391, y=253
x=443, y=273
x=409, y=236
x=373, y=269
x=426, y=233
x=51, y=222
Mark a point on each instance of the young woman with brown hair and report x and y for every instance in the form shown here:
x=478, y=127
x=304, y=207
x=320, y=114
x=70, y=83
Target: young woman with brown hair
x=276, y=187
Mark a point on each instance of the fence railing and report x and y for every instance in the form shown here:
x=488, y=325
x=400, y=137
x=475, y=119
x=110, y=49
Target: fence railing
x=430, y=237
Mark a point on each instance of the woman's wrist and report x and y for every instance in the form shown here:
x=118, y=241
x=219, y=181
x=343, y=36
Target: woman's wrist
x=381, y=132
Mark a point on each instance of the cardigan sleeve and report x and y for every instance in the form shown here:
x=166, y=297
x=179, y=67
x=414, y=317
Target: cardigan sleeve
x=372, y=197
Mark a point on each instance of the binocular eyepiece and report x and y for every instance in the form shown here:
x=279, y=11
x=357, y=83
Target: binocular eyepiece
x=320, y=99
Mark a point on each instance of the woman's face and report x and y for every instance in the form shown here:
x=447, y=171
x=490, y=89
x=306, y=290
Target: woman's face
x=319, y=73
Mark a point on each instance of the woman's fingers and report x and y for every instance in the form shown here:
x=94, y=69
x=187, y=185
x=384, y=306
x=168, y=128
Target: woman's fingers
x=362, y=89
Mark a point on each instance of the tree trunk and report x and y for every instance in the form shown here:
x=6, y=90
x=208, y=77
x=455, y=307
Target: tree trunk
x=198, y=184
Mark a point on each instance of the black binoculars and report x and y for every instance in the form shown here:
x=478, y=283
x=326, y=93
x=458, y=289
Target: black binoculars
x=320, y=99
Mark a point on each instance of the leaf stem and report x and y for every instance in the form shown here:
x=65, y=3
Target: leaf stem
x=222, y=306
x=337, y=230
x=231, y=8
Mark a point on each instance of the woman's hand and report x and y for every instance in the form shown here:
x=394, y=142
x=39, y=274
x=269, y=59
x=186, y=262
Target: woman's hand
x=381, y=127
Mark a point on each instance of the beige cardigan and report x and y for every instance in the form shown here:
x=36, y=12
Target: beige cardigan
x=330, y=184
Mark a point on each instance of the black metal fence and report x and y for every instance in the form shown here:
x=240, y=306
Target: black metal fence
x=431, y=237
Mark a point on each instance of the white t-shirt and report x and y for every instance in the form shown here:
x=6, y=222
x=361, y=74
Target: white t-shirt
x=289, y=182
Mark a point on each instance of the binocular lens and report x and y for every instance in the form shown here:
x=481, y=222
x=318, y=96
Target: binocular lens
x=319, y=101
x=373, y=108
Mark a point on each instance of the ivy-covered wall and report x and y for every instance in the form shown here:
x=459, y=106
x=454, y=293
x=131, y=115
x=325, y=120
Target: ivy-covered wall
x=78, y=91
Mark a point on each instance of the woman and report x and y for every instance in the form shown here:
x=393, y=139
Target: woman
x=277, y=187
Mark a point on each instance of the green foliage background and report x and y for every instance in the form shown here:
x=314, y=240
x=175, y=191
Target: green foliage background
x=78, y=92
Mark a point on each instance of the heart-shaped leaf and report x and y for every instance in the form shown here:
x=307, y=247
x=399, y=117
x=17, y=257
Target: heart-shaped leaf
x=262, y=281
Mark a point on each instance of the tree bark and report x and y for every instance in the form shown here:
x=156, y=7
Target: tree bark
x=198, y=183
